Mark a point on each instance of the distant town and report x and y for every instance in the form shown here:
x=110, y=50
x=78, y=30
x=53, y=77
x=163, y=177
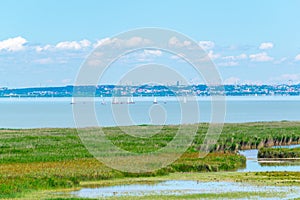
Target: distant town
x=151, y=90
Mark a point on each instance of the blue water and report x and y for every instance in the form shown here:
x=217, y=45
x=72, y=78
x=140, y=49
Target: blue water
x=252, y=164
x=57, y=112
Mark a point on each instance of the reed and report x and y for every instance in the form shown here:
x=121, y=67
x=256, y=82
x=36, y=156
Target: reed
x=38, y=159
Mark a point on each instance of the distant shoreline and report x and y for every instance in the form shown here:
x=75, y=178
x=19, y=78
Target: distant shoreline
x=152, y=90
x=167, y=125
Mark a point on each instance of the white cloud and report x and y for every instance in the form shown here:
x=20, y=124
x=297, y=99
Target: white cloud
x=44, y=48
x=146, y=55
x=66, y=45
x=73, y=45
x=266, y=45
x=260, y=57
x=122, y=43
x=230, y=61
x=206, y=45
x=174, y=41
x=13, y=44
x=153, y=52
x=238, y=57
x=85, y=43
x=228, y=64
x=297, y=57
x=178, y=57
x=135, y=41
x=242, y=56
x=231, y=81
x=102, y=42
x=281, y=60
x=43, y=61
x=212, y=55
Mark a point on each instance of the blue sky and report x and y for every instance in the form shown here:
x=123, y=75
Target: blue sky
x=44, y=43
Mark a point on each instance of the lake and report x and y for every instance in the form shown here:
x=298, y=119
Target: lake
x=57, y=112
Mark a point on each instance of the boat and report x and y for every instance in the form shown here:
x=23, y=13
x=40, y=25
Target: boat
x=115, y=101
x=72, y=101
x=130, y=101
x=155, y=100
x=103, y=102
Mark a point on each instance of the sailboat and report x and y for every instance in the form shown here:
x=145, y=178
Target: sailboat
x=72, y=101
x=184, y=99
x=115, y=101
x=155, y=100
x=130, y=101
x=103, y=102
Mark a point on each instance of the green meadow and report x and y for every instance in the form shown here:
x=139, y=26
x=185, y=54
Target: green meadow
x=33, y=161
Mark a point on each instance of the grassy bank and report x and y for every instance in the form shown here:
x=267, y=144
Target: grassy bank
x=234, y=136
x=279, y=153
x=257, y=135
x=38, y=159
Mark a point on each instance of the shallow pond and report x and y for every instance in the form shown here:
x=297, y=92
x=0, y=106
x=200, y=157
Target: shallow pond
x=180, y=187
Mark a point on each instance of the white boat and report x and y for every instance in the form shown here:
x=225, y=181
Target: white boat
x=155, y=100
x=72, y=101
x=114, y=101
x=130, y=100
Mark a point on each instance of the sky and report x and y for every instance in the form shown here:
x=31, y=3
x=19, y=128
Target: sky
x=44, y=43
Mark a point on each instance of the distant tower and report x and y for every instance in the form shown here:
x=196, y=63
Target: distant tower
x=177, y=83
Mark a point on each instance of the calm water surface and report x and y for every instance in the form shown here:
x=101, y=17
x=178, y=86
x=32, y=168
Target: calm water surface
x=252, y=164
x=57, y=112
x=180, y=187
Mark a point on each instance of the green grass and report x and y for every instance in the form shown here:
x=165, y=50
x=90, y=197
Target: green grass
x=233, y=195
x=45, y=145
x=40, y=145
x=279, y=153
x=257, y=135
x=38, y=159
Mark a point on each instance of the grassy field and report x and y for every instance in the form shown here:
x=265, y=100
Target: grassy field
x=45, y=159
